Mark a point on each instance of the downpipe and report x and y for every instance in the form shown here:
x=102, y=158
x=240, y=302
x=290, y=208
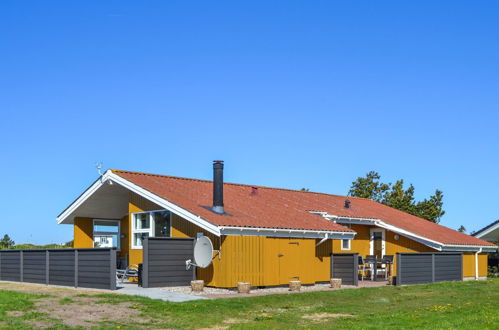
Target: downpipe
x=476, y=263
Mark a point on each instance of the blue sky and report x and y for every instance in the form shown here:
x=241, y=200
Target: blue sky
x=289, y=93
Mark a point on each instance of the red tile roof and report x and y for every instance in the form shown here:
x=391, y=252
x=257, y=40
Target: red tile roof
x=284, y=208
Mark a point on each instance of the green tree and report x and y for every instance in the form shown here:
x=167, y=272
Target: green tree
x=396, y=196
x=369, y=187
x=462, y=229
x=6, y=242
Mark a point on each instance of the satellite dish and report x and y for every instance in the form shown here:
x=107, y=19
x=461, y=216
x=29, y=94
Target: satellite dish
x=203, y=252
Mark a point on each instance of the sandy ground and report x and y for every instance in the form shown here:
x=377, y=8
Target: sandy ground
x=67, y=305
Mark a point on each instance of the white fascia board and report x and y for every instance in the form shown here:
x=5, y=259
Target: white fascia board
x=423, y=240
x=470, y=248
x=295, y=233
x=487, y=231
x=197, y=220
x=382, y=224
x=80, y=200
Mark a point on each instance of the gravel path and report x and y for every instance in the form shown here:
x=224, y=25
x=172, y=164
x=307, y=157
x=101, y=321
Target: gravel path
x=227, y=293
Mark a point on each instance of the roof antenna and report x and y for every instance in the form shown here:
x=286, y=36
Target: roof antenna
x=98, y=166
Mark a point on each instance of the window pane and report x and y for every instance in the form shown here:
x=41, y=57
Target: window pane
x=106, y=241
x=106, y=226
x=139, y=237
x=345, y=243
x=161, y=224
x=106, y=234
x=142, y=221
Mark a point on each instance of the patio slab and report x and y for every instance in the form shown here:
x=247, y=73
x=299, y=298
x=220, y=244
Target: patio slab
x=155, y=293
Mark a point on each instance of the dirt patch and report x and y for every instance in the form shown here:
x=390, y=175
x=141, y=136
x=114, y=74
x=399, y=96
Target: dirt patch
x=320, y=317
x=15, y=313
x=235, y=321
x=61, y=292
x=84, y=312
x=74, y=307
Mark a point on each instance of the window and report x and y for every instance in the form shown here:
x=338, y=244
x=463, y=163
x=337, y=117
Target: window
x=107, y=234
x=150, y=224
x=345, y=244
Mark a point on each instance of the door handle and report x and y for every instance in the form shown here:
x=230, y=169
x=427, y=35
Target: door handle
x=280, y=255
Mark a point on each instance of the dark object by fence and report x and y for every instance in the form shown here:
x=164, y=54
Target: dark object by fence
x=139, y=277
x=415, y=268
x=164, y=262
x=345, y=266
x=89, y=268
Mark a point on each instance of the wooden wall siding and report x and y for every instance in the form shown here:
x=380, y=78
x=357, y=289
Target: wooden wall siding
x=469, y=264
x=142, y=203
x=361, y=244
x=137, y=204
x=268, y=261
x=125, y=239
x=83, y=233
x=164, y=262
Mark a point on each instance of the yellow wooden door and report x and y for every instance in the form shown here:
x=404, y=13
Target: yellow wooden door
x=289, y=260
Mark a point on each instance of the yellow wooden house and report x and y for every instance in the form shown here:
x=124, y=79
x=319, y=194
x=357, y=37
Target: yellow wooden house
x=265, y=236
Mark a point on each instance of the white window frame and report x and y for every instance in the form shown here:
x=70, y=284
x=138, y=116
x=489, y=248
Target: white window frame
x=118, y=248
x=349, y=245
x=151, y=229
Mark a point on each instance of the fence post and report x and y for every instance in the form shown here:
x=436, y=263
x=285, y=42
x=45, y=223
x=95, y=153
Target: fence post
x=332, y=267
x=462, y=275
x=356, y=269
x=21, y=266
x=433, y=268
x=47, y=266
x=145, y=263
x=112, y=268
x=76, y=268
x=194, y=268
x=399, y=268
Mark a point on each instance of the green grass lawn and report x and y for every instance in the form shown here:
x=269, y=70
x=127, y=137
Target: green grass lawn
x=435, y=306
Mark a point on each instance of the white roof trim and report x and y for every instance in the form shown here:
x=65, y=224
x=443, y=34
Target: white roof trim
x=487, y=231
x=423, y=240
x=278, y=232
x=109, y=175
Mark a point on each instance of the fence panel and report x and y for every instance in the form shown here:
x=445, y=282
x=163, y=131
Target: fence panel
x=345, y=266
x=92, y=268
x=416, y=268
x=10, y=266
x=34, y=266
x=164, y=262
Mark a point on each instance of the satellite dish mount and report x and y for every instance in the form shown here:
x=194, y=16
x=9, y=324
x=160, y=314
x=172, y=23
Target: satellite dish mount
x=203, y=253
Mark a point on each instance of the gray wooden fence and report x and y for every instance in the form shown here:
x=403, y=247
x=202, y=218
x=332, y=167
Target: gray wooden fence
x=89, y=268
x=415, y=268
x=345, y=266
x=164, y=262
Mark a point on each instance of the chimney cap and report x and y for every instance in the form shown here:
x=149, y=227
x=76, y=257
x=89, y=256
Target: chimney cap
x=347, y=203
